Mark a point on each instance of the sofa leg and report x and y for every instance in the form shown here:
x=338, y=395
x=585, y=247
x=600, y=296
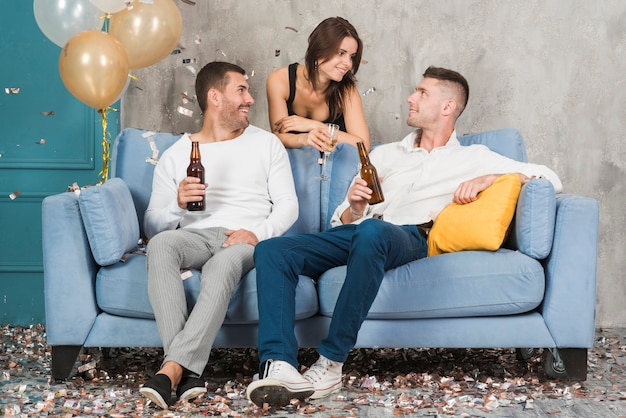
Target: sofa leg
x=575, y=362
x=63, y=359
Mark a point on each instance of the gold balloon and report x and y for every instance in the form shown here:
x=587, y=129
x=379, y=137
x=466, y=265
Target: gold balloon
x=148, y=32
x=94, y=68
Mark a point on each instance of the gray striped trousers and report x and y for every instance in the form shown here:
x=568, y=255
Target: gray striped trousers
x=188, y=336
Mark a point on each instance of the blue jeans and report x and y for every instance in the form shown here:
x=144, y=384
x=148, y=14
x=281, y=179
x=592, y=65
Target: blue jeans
x=368, y=249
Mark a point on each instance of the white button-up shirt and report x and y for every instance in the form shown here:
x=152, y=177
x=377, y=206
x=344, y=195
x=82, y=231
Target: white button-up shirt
x=418, y=184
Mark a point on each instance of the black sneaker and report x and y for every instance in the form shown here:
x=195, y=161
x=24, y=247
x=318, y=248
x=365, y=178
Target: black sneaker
x=189, y=388
x=159, y=390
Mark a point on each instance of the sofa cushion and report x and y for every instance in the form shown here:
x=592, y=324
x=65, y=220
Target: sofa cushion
x=534, y=221
x=244, y=309
x=110, y=220
x=507, y=142
x=122, y=289
x=463, y=284
x=134, y=154
x=479, y=225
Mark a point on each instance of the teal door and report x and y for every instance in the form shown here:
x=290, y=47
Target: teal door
x=48, y=141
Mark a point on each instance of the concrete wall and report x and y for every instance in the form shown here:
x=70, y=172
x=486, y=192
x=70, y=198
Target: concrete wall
x=552, y=69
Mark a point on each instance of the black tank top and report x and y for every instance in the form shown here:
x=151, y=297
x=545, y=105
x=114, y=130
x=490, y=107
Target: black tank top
x=292, y=94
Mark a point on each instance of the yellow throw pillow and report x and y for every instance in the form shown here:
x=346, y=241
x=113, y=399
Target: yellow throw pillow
x=480, y=225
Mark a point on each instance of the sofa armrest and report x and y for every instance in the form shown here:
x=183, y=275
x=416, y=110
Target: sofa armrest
x=570, y=298
x=69, y=272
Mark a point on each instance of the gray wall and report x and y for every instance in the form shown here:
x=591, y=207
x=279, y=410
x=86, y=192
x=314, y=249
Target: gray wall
x=552, y=69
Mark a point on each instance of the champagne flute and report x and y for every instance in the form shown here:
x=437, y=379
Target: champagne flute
x=333, y=133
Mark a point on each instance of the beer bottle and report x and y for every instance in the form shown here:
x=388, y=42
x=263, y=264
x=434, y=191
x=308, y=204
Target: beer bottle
x=195, y=169
x=370, y=175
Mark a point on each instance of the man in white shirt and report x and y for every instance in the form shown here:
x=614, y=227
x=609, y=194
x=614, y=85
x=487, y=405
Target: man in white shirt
x=250, y=196
x=420, y=175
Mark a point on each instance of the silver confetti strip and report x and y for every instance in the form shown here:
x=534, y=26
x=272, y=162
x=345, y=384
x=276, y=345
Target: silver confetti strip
x=369, y=91
x=74, y=188
x=184, y=111
x=154, y=159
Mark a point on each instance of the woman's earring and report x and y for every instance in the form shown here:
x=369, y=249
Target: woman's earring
x=316, y=64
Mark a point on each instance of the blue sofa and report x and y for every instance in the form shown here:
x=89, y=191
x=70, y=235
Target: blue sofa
x=538, y=291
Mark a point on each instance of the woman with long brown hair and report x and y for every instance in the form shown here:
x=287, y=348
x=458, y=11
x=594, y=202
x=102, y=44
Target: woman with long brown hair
x=303, y=98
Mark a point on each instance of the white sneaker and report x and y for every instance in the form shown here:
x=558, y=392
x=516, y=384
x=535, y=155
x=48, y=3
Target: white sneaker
x=280, y=384
x=325, y=375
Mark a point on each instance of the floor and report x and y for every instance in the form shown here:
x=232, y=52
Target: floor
x=378, y=383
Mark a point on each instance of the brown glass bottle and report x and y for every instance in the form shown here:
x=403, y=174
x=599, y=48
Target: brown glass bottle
x=195, y=169
x=370, y=175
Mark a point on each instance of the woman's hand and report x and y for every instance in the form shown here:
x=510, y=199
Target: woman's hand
x=318, y=138
x=312, y=132
x=296, y=123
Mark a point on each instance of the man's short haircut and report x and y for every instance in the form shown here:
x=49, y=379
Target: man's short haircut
x=214, y=75
x=454, y=80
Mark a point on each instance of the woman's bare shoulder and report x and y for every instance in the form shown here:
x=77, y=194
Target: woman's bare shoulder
x=279, y=74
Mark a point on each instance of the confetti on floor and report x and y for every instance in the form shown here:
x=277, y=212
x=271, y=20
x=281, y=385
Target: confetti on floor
x=377, y=382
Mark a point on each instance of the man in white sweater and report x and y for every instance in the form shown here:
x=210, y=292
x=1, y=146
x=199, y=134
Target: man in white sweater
x=250, y=196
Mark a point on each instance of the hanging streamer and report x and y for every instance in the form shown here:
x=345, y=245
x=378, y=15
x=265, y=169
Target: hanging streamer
x=106, y=146
x=106, y=20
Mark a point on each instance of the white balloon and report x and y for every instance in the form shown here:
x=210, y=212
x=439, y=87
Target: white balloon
x=110, y=6
x=59, y=20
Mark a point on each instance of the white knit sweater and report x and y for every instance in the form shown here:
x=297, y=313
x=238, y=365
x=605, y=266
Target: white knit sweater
x=250, y=186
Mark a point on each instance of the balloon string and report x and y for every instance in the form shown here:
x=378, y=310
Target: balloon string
x=106, y=148
x=106, y=17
